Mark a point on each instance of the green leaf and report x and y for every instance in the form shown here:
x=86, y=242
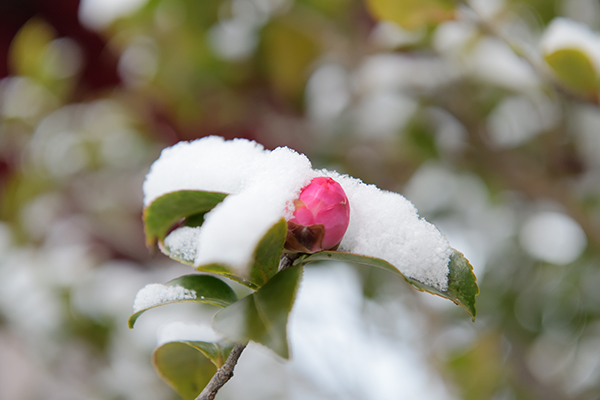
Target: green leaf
x=188, y=366
x=574, y=68
x=265, y=261
x=208, y=290
x=217, y=352
x=262, y=316
x=462, y=282
x=412, y=14
x=169, y=208
x=268, y=253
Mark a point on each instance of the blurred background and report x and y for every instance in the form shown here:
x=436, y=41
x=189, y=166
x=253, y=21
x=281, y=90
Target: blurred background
x=438, y=107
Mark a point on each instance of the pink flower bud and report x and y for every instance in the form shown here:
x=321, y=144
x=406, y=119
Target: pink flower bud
x=320, y=219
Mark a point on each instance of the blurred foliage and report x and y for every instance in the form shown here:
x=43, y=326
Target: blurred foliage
x=449, y=113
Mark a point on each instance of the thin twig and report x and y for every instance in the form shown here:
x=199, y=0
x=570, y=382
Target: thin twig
x=223, y=374
x=541, y=70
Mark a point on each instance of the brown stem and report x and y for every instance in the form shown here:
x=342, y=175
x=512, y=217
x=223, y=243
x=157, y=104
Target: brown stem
x=542, y=71
x=287, y=260
x=223, y=374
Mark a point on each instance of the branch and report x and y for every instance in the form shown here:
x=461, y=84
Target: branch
x=223, y=374
x=541, y=70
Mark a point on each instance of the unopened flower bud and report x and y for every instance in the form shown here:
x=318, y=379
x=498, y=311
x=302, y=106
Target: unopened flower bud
x=320, y=219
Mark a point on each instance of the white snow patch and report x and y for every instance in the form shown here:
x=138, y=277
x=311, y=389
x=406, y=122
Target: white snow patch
x=183, y=243
x=180, y=331
x=210, y=164
x=563, y=33
x=386, y=225
x=155, y=294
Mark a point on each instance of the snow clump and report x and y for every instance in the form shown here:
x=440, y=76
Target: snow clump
x=262, y=186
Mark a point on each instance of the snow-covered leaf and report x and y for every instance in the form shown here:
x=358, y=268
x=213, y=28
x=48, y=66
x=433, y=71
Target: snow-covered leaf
x=166, y=210
x=462, y=283
x=187, y=366
x=265, y=260
x=262, y=316
x=188, y=288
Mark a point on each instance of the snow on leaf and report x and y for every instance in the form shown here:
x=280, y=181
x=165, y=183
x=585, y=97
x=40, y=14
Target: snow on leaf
x=262, y=185
x=155, y=294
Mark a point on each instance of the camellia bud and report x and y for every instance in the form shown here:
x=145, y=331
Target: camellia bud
x=320, y=219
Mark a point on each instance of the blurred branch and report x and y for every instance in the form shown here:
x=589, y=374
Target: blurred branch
x=223, y=374
x=487, y=26
x=518, y=172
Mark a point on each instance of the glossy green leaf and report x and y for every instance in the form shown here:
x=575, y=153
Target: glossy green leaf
x=166, y=210
x=412, y=14
x=574, y=68
x=208, y=289
x=188, y=366
x=268, y=253
x=462, y=282
x=262, y=316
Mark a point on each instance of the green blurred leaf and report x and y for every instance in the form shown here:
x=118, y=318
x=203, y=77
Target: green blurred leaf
x=262, y=316
x=188, y=366
x=462, y=282
x=412, y=14
x=208, y=290
x=479, y=371
x=287, y=54
x=28, y=48
x=166, y=210
x=574, y=68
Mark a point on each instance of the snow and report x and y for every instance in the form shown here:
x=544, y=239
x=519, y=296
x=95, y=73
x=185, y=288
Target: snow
x=181, y=331
x=563, y=33
x=209, y=164
x=155, y=294
x=183, y=243
x=386, y=225
x=262, y=186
